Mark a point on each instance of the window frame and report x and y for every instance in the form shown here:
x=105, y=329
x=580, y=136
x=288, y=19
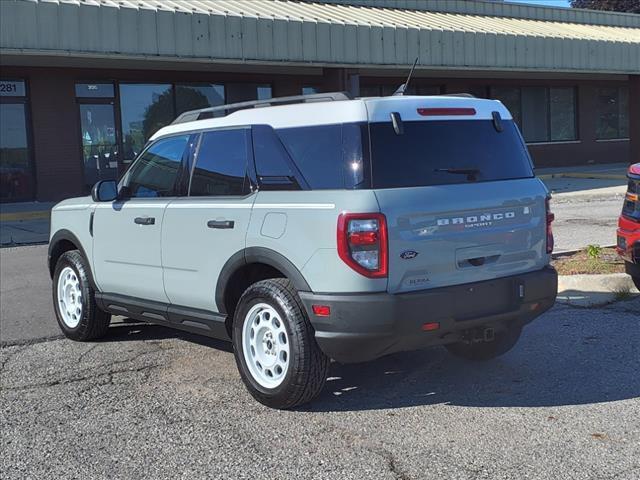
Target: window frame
x=250, y=171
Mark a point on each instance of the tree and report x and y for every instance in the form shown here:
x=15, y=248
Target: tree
x=629, y=6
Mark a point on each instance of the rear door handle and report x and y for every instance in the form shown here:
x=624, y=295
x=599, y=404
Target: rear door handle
x=220, y=223
x=145, y=220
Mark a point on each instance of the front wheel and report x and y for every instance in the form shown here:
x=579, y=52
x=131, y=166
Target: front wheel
x=481, y=351
x=78, y=316
x=274, y=345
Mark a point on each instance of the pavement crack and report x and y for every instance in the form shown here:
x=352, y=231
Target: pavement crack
x=86, y=352
x=67, y=381
x=392, y=463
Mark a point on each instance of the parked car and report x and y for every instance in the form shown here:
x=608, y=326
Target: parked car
x=316, y=228
x=629, y=226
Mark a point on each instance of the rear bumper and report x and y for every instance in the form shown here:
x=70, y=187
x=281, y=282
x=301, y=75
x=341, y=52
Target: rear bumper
x=363, y=327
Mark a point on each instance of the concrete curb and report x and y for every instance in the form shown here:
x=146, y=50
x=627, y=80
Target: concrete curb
x=594, y=290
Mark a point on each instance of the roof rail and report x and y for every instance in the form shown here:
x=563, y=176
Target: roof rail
x=193, y=115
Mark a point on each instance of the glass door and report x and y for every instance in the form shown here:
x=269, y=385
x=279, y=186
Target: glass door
x=99, y=142
x=16, y=168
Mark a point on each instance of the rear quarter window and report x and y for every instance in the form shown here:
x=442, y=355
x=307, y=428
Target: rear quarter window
x=439, y=152
x=329, y=156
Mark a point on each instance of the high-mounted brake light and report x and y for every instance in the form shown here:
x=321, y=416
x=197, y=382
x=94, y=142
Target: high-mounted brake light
x=550, y=218
x=444, y=112
x=362, y=243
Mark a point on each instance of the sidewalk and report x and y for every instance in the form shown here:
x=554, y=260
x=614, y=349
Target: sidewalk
x=24, y=223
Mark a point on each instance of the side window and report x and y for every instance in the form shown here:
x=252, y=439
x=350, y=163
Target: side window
x=317, y=152
x=155, y=172
x=273, y=165
x=221, y=165
x=330, y=156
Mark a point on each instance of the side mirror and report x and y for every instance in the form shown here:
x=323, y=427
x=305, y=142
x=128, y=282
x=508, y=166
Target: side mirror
x=104, y=191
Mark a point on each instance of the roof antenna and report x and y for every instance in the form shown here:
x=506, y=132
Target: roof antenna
x=403, y=88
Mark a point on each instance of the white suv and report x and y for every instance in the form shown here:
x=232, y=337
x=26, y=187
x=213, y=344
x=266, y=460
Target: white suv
x=314, y=228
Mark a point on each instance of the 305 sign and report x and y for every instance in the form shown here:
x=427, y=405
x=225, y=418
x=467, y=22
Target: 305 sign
x=10, y=88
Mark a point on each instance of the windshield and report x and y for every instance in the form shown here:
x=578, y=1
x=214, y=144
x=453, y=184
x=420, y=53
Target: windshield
x=446, y=152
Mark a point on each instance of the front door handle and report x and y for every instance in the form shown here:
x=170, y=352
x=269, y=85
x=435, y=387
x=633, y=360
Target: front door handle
x=145, y=220
x=221, y=224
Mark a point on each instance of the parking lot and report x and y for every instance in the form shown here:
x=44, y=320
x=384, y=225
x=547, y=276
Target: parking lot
x=148, y=401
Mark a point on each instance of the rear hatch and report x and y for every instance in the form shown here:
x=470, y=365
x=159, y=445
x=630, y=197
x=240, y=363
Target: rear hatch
x=459, y=195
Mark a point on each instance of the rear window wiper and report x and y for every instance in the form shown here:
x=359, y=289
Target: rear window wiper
x=461, y=171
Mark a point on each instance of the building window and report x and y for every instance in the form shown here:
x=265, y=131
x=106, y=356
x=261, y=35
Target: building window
x=243, y=92
x=613, y=113
x=16, y=171
x=195, y=96
x=309, y=90
x=144, y=108
x=388, y=90
x=544, y=114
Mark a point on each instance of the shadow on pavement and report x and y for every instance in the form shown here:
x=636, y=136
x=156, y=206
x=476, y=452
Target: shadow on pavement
x=130, y=330
x=571, y=356
x=590, y=357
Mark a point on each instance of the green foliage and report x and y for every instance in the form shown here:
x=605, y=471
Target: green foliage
x=630, y=6
x=594, y=251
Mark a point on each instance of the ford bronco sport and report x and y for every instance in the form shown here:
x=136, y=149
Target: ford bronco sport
x=316, y=228
x=629, y=226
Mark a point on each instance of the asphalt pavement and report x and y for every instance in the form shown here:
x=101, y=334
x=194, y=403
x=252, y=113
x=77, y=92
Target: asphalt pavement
x=147, y=402
x=150, y=402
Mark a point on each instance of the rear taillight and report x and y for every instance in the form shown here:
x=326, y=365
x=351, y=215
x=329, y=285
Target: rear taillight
x=362, y=243
x=550, y=218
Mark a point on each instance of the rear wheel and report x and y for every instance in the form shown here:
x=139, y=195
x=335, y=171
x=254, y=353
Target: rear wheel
x=481, y=351
x=274, y=345
x=78, y=316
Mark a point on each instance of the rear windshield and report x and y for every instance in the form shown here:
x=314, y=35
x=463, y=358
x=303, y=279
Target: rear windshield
x=446, y=152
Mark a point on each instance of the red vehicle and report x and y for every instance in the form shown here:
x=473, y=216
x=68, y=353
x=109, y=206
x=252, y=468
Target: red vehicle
x=629, y=226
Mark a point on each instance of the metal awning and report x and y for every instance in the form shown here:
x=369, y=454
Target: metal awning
x=313, y=34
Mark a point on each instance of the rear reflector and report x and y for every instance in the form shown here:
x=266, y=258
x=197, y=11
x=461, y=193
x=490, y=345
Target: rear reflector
x=443, y=112
x=429, y=327
x=321, y=310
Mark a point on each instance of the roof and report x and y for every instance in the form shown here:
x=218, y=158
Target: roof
x=331, y=33
x=374, y=109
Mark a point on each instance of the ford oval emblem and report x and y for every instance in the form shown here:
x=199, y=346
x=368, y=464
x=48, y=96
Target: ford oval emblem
x=408, y=254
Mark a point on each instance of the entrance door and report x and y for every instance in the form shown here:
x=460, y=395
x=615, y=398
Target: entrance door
x=16, y=171
x=99, y=144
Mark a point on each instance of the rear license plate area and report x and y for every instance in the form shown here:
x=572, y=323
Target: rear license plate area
x=486, y=299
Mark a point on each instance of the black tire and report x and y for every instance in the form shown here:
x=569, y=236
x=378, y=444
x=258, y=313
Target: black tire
x=308, y=365
x=482, y=351
x=93, y=322
x=636, y=282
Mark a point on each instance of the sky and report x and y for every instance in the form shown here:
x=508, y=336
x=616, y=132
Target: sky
x=552, y=3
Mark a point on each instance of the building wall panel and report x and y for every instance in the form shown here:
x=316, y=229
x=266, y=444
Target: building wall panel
x=233, y=30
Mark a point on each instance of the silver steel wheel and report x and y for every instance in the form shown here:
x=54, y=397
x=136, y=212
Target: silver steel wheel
x=265, y=345
x=69, y=297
